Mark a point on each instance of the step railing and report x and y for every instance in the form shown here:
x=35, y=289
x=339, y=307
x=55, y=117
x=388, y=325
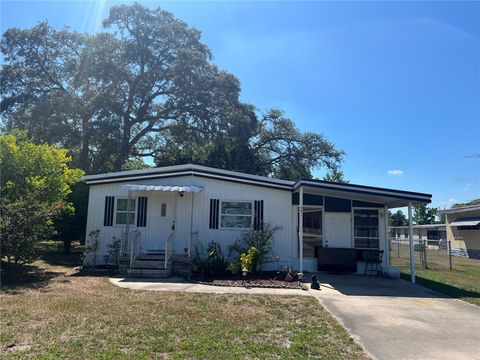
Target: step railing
x=168, y=249
x=133, y=237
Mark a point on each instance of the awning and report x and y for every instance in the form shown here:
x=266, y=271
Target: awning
x=470, y=221
x=177, y=188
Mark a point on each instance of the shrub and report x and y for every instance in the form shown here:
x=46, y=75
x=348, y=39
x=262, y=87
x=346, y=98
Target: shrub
x=261, y=240
x=114, y=248
x=34, y=186
x=211, y=261
x=247, y=259
x=92, y=244
x=22, y=224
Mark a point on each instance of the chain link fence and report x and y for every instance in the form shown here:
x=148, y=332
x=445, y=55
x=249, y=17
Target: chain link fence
x=428, y=254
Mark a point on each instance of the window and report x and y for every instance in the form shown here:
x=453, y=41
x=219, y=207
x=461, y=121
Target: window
x=163, y=210
x=122, y=211
x=236, y=214
x=312, y=222
x=312, y=231
x=366, y=229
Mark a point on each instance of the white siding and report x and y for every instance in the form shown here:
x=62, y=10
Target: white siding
x=277, y=212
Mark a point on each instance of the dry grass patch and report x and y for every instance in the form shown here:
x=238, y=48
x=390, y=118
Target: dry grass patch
x=87, y=317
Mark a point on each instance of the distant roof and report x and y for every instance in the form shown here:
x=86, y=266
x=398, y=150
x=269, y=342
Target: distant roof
x=466, y=221
x=460, y=209
x=395, y=198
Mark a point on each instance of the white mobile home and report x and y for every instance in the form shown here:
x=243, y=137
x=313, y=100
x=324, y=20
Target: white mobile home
x=172, y=210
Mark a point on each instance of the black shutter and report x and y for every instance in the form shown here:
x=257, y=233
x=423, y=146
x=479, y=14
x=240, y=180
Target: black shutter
x=142, y=211
x=108, y=212
x=258, y=215
x=214, y=210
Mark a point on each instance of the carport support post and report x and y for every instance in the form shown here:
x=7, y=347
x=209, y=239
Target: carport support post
x=300, y=227
x=387, y=237
x=410, y=239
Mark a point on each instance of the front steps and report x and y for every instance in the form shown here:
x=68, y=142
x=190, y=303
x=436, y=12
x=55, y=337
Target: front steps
x=153, y=265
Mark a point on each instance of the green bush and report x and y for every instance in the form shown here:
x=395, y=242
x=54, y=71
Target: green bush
x=34, y=187
x=211, y=261
x=248, y=259
x=261, y=240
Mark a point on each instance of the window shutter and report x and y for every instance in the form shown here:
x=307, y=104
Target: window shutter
x=108, y=212
x=214, y=210
x=258, y=215
x=142, y=211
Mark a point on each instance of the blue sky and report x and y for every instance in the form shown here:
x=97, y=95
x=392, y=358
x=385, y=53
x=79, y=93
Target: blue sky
x=396, y=85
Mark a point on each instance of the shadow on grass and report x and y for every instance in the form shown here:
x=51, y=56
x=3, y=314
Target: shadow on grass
x=59, y=259
x=97, y=272
x=21, y=277
x=443, y=288
x=51, y=252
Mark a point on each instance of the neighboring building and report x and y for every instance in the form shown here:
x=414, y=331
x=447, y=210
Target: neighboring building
x=463, y=230
x=432, y=233
x=174, y=210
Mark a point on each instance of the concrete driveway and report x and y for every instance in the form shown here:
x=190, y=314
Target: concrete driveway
x=394, y=319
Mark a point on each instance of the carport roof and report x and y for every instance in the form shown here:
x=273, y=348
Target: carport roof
x=390, y=197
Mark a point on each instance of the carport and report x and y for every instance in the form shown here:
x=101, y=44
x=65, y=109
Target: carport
x=354, y=202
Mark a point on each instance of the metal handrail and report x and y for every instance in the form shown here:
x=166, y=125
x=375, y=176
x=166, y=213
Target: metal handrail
x=134, y=248
x=167, y=242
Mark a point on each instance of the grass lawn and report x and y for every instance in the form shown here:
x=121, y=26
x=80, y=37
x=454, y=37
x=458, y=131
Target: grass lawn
x=462, y=282
x=64, y=315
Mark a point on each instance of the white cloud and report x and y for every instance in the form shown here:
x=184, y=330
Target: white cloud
x=453, y=200
x=395, y=172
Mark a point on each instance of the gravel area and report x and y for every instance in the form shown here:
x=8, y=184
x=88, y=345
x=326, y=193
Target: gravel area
x=261, y=283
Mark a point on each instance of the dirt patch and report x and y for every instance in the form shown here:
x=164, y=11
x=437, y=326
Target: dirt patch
x=17, y=347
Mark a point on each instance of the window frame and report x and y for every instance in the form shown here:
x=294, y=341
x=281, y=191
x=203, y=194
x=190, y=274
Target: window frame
x=362, y=237
x=313, y=208
x=134, y=211
x=252, y=215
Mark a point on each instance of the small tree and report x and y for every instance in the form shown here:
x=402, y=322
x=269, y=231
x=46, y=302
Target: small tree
x=397, y=219
x=34, y=185
x=424, y=215
x=335, y=175
x=261, y=240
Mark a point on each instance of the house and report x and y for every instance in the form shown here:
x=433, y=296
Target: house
x=163, y=214
x=463, y=230
x=433, y=234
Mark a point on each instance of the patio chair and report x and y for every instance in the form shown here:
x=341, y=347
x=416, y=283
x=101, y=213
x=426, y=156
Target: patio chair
x=373, y=261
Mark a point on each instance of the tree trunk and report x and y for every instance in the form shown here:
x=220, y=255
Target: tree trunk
x=124, y=151
x=84, y=145
x=67, y=246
